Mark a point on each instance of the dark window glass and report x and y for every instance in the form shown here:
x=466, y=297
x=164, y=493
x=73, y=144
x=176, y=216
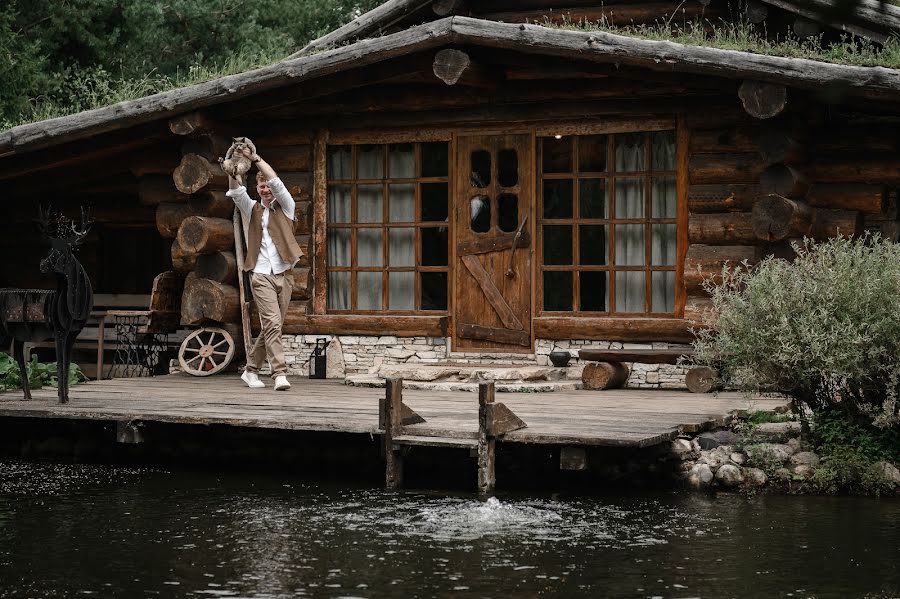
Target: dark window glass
x=434, y=202
x=592, y=153
x=592, y=294
x=592, y=198
x=434, y=246
x=593, y=246
x=435, y=159
x=480, y=214
x=508, y=212
x=557, y=244
x=507, y=168
x=557, y=155
x=481, y=168
x=434, y=290
x=557, y=291
x=558, y=198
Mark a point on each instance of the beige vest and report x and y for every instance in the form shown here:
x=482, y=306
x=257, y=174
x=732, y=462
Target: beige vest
x=281, y=228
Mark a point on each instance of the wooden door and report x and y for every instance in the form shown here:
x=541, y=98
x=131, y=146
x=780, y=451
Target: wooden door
x=493, y=205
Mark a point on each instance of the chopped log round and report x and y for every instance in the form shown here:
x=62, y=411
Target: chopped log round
x=169, y=218
x=156, y=189
x=702, y=379
x=778, y=146
x=206, y=234
x=783, y=180
x=196, y=172
x=212, y=203
x=204, y=300
x=704, y=262
x=190, y=123
x=756, y=11
x=449, y=65
x=206, y=351
x=869, y=199
x=182, y=261
x=211, y=146
x=763, y=100
x=733, y=228
x=604, y=375
x=776, y=218
x=218, y=266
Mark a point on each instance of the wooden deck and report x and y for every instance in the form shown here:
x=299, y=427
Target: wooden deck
x=623, y=418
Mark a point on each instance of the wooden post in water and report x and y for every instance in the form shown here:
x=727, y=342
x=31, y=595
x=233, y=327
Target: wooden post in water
x=486, y=441
x=391, y=416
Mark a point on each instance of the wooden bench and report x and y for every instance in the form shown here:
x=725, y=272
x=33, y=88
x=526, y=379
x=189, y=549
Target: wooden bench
x=606, y=368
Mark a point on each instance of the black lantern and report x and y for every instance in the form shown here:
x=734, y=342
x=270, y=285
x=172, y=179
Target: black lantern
x=317, y=359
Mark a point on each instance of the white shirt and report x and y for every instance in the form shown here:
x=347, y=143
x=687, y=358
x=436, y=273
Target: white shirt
x=269, y=261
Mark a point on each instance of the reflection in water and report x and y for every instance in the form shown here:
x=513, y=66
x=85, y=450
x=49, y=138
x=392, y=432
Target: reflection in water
x=113, y=532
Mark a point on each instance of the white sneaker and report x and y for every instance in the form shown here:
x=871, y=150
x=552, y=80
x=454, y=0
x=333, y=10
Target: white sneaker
x=281, y=383
x=252, y=380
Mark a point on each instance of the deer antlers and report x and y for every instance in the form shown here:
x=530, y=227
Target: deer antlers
x=55, y=225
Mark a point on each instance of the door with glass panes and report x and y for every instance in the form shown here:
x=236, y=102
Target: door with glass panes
x=494, y=196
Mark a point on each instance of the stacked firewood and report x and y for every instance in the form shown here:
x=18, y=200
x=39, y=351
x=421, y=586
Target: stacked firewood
x=193, y=210
x=754, y=188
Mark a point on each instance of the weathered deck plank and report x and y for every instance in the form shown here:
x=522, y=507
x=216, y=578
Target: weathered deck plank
x=624, y=417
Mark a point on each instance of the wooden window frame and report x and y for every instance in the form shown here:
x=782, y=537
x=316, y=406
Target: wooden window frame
x=385, y=140
x=609, y=176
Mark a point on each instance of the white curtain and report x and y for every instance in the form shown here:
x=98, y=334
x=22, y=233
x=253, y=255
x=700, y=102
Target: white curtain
x=663, y=202
x=630, y=157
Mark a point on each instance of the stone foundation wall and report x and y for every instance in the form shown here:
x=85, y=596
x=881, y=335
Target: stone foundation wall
x=356, y=354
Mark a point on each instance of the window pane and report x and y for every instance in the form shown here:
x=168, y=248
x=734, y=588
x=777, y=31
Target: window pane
x=663, y=151
x=508, y=212
x=338, y=204
x=369, y=162
x=557, y=291
x=593, y=291
x=368, y=291
x=402, y=249
x=368, y=247
x=630, y=198
x=629, y=245
x=663, y=291
x=481, y=168
x=629, y=291
x=557, y=244
x=402, y=203
x=401, y=161
x=663, y=198
x=434, y=290
x=369, y=204
x=338, y=291
x=631, y=152
x=558, y=198
x=557, y=154
x=434, y=246
x=592, y=153
x=402, y=291
x=480, y=214
x=339, y=162
x=507, y=168
x=434, y=202
x=594, y=249
x=338, y=247
x=592, y=198
x=663, y=244
x=435, y=159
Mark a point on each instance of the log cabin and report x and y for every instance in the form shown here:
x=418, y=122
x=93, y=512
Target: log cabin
x=476, y=184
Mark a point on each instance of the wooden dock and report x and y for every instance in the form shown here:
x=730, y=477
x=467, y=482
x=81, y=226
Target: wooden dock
x=613, y=418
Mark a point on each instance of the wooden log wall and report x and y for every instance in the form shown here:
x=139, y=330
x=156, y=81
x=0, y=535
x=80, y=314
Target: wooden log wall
x=199, y=219
x=757, y=185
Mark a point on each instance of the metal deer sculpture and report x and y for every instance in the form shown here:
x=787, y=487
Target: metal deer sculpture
x=40, y=314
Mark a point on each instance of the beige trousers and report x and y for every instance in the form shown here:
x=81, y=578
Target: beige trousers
x=271, y=294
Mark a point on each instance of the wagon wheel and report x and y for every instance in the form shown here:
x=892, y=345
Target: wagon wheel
x=206, y=351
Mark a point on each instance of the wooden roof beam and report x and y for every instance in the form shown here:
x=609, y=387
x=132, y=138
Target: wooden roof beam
x=871, y=19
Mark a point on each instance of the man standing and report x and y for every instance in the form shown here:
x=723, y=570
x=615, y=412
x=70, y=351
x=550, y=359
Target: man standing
x=271, y=253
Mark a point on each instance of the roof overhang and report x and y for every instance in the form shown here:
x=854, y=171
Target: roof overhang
x=853, y=81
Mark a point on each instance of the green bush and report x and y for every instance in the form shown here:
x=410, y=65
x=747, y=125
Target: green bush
x=39, y=374
x=824, y=328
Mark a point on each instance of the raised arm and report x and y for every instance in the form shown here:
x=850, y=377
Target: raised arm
x=242, y=200
x=285, y=200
